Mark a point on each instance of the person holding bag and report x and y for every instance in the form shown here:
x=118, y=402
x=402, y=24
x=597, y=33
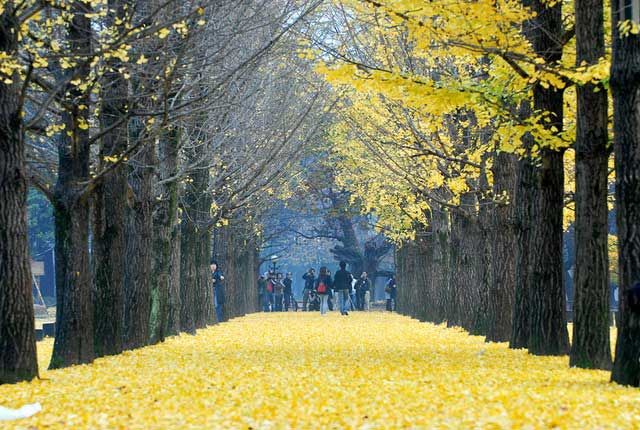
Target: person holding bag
x=323, y=285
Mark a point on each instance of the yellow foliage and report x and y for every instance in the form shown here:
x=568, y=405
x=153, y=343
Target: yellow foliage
x=303, y=371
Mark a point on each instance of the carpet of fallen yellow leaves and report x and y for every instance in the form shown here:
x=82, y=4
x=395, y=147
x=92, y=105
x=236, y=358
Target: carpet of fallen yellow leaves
x=300, y=371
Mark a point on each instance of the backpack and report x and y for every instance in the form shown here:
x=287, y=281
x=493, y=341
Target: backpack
x=322, y=287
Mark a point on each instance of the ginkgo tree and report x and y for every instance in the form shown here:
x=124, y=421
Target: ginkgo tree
x=114, y=109
x=494, y=75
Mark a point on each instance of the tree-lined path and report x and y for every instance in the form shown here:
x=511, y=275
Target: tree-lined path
x=295, y=370
x=168, y=166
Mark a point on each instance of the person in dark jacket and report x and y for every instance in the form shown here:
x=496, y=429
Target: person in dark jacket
x=342, y=285
x=390, y=293
x=322, y=287
x=262, y=293
x=288, y=291
x=363, y=290
x=309, y=281
x=218, y=290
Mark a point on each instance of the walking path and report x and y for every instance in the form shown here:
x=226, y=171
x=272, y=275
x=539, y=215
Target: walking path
x=302, y=371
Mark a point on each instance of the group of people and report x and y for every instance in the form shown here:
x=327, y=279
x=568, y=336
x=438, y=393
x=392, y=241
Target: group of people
x=275, y=292
x=321, y=293
x=343, y=291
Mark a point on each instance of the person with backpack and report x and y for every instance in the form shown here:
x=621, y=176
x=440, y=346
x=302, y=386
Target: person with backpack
x=269, y=305
x=309, y=282
x=342, y=285
x=322, y=287
x=364, y=292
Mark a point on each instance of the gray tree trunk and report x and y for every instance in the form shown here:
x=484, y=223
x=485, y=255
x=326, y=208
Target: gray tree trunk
x=74, y=313
x=591, y=347
x=18, y=360
x=625, y=86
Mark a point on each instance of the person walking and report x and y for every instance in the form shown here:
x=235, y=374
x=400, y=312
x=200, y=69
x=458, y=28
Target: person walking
x=364, y=289
x=342, y=285
x=263, y=300
x=390, y=293
x=331, y=299
x=271, y=282
x=353, y=301
x=218, y=290
x=278, y=293
x=288, y=291
x=322, y=287
x=309, y=281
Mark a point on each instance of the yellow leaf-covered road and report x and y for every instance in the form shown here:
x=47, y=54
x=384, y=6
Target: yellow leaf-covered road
x=303, y=371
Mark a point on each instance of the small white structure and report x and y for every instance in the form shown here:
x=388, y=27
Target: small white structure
x=26, y=411
x=629, y=10
x=37, y=270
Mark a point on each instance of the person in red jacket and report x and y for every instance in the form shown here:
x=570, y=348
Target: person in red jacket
x=323, y=287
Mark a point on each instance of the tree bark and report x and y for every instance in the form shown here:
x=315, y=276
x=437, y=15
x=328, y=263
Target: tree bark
x=18, y=360
x=188, y=275
x=164, y=223
x=591, y=347
x=137, y=308
x=525, y=183
x=74, y=313
x=625, y=86
x=485, y=256
x=466, y=268
x=441, y=274
x=205, y=312
x=197, y=297
x=110, y=209
x=548, y=331
x=174, y=305
x=503, y=263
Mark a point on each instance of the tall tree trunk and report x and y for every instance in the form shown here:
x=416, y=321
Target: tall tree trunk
x=18, y=359
x=196, y=245
x=466, y=267
x=503, y=249
x=591, y=348
x=349, y=251
x=196, y=240
x=426, y=270
x=452, y=309
x=74, y=312
x=164, y=216
x=548, y=331
x=625, y=85
x=205, y=312
x=137, y=307
x=174, y=305
x=110, y=209
x=523, y=207
x=440, y=276
x=188, y=274
x=401, y=277
x=486, y=214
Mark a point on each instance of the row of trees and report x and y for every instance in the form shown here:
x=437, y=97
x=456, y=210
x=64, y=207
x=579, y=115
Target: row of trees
x=156, y=130
x=478, y=132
